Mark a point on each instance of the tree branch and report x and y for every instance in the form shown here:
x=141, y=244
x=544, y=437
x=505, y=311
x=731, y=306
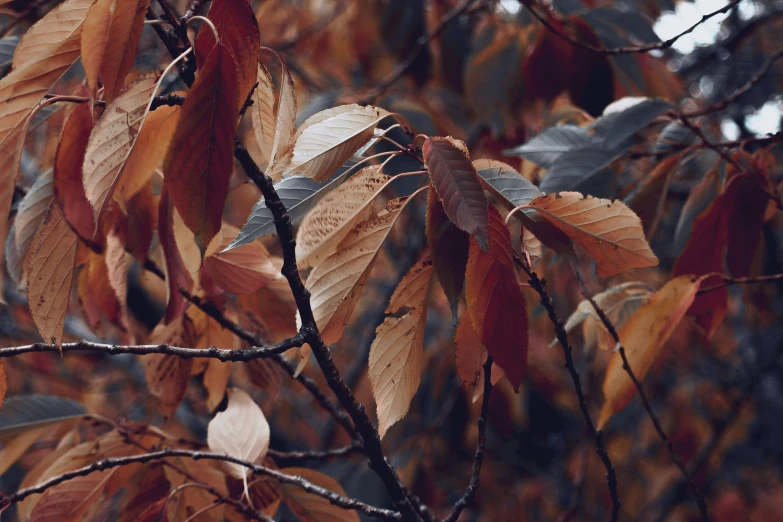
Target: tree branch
x=613, y=51
x=539, y=285
x=470, y=491
x=639, y=388
x=256, y=352
x=296, y=456
x=728, y=280
x=104, y=464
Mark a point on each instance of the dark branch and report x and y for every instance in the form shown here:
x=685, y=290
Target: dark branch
x=298, y=456
x=613, y=51
x=639, y=388
x=256, y=352
x=539, y=285
x=728, y=280
x=470, y=491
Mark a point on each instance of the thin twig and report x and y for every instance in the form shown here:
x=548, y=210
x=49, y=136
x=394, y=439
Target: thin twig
x=539, y=285
x=632, y=49
x=728, y=280
x=256, y=352
x=104, y=464
x=406, y=64
x=639, y=388
x=296, y=456
x=470, y=491
x=763, y=70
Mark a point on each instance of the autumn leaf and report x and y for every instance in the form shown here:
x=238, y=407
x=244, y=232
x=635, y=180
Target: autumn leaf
x=43, y=55
x=238, y=32
x=177, y=275
x=642, y=337
x=70, y=501
x=201, y=154
x=113, y=138
x=470, y=357
x=314, y=508
x=274, y=121
x=326, y=140
x=69, y=159
x=495, y=300
x=167, y=376
x=610, y=232
x=396, y=353
x=241, y=270
x=457, y=184
x=241, y=430
x=337, y=214
x=32, y=212
x=148, y=153
x=262, y=114
x=110, y=37
x=448, y=250
x=49, y=269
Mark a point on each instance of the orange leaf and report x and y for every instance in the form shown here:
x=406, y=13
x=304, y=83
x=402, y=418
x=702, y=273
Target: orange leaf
x=167, y=375
x=177, y=275
x=642, y=337
x=610, y=232
x=495, y=301
x=201, y=154
x=95, y=33
x=238, y=31
x=471, y=356
x=455, y=180
x=49, y=270
x=244, y=269
x=314, y=508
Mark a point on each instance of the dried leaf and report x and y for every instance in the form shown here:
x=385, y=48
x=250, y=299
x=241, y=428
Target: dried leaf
x=117, y=271
x=495, y=300
x=241, y=270
x=95, y=33
x=241, y=430
x=471, y=356
x=238, y=31
x=177, y=275
x=448, y=250
x=201, y=154
x=32, y=212
x=610, y=232
x=396, y=353
x=69, y=159
x=336, y=215
x=285, y=125
x=14, y=449
x=457, y=184
x=70, y=500
x=167, y=376
x=336, y=284
x=262, y=114
x=148, y=153
x=326, y=140
x=314, y=508
x=49, y=269
x=643, y=336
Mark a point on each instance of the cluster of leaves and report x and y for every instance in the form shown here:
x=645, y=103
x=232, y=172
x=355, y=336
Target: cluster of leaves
x=138, y=171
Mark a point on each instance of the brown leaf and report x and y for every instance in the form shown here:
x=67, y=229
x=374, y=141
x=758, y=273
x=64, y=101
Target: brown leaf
x=32, y=212
x=471, y=356
x=285, y=111
x=238, y=31
x=262, y=114
x=241, y=430
x=495, y=301
x=326, y=140
x=313, y=508
x=195, y=499
x=137, y=227
x=97, y=298
x=448, y=250
x=337, y=283
x=643, y=336
x=95, y=33
x=113, y=138
x=396, y=353
x=610, y=232
x=177, y=275
x=70, y=500
x=69, y=159
x=48, y=49
x=117, y=271
x=49, y=269
x=337, y=214
x=148, y=153
x=167, y=375
x=455, y=180
x=201, y=154
x=244, y=269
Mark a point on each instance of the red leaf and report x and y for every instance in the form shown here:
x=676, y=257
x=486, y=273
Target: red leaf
x=177, y=275
x=495, y=301
x=238, y=31
x=448, y=250
x=200, y=157
x=68, y=186
x=455, y=180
